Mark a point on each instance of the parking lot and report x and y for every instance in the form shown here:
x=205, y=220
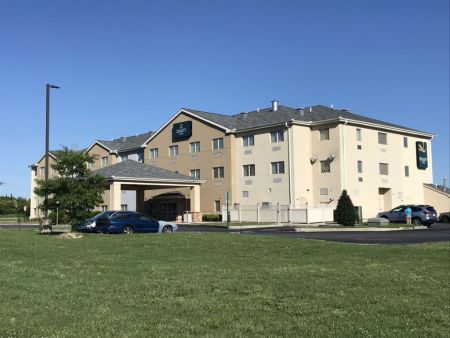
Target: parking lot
x=438, y=232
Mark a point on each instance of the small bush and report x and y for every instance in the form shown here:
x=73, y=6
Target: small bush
x=63, y=218
x=345, y=211
x=212, y=218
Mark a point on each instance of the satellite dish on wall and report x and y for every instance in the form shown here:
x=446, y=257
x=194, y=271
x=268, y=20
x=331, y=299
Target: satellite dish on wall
x=313, y=159
x=331, y=157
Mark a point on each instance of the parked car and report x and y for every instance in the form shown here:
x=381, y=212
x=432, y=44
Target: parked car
x=128, y=222
x=89, y=224
x=444, y=217
x=421, y=214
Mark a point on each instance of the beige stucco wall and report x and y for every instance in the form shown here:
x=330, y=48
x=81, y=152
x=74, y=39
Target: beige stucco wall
x=100, y=152
x=438, y=199
x=37, y=173
x=264, y=186
x=402, y=190
x=205, y=160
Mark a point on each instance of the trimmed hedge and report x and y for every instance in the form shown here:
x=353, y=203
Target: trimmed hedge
x=212, y=218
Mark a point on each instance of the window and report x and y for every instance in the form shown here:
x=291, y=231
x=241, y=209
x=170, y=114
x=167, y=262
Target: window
x=173, y=151
x=154, y=153
x=245, y=194
x=406, y=171
x=124, y=207
x=277, y=168
x=360, y=167
x=324, y=134
x=249, y=170
x=217, y=143
x=104, y=207
x=123, y=158
x=358, y=135
x=277, y=136
x=324, y=191
x=90, y=165
x=217, y=206
x=382, y=138
x=405, y=142
x=384, y=169
x=195, y=173
x=42, y=171
x=195, y=147
x=248, y=140
x=140, y=157
x=218, y=172
x=325, y=166
x=104, y=161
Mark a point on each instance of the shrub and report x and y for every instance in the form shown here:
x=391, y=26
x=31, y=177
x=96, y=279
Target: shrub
x=63, y=218
x=345, y=211
x=212, y=218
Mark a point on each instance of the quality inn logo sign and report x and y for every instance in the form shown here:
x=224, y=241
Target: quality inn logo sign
x=182, y=130
x=421, y=155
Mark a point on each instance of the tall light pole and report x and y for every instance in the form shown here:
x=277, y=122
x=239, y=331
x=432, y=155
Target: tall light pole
x=47, y=135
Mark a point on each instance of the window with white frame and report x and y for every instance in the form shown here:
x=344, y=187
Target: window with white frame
x=42, y=171
x=277, y=136
x=325, y=166
x=195, y=173
x=123, y=158
x=358, y=135
x=384, y=169
x=324, y=134
x=405, y=142
x=382, y=138
x=249, y=170
x=154, y=153
x=406, y=171
x=217, y=206
x=104, y=161
x=277, y=167
x=248, y=140
x=195, y=147
x=217, y=143
x=173, y=150
x=245, y=194
x=124, y=207
x=218, y=172
x=90, y=165
x=104, y=207
x=360, y=167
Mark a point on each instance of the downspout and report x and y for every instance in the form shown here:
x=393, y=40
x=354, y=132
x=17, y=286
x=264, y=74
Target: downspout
x=344, y=186
x=289, y=161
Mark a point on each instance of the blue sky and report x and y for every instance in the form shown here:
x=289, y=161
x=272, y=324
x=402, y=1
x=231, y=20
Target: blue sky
x=125, y=67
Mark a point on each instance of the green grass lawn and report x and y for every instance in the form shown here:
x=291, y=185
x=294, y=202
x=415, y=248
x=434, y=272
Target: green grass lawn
x=219, y=285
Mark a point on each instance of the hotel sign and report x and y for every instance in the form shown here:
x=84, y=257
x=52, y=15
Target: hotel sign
x=421, y=155
x=182, y=130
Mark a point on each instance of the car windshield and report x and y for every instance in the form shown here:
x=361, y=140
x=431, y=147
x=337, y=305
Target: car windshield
x=104, y=214
x=431, y=209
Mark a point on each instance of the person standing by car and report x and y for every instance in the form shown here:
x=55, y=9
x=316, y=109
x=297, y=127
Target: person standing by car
x=408, y=213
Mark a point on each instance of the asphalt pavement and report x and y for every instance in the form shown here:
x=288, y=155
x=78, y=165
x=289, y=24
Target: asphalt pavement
x=439, y=232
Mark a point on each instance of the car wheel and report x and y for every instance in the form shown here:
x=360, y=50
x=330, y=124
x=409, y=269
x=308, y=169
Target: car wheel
x=127, y=229
x=416, y=221
x=167, y=229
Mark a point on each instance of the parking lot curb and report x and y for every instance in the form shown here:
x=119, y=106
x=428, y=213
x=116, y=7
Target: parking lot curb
x=305, y=229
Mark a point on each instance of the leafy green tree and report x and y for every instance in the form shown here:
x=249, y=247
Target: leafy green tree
x=345, y=211
x=75, y=190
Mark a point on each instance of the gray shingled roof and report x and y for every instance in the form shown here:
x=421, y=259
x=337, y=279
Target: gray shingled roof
x=441, y=188
x=127, y=143
x=134, y=169
x=266, y=117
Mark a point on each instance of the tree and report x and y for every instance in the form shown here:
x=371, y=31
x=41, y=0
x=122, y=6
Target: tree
x=345, y=211
x=75, y=190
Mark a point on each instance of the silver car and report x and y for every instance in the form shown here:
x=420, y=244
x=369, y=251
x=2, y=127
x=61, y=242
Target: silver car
x=421, y=214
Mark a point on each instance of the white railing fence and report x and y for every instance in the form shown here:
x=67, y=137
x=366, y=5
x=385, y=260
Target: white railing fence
x=277, y=213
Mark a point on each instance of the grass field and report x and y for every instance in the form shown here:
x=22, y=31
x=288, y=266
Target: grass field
x=219, y=285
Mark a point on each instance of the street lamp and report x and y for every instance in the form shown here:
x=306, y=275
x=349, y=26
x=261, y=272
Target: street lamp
x=47, y=132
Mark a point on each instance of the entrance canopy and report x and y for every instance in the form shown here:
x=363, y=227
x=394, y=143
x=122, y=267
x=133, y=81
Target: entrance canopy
x=133, y=175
